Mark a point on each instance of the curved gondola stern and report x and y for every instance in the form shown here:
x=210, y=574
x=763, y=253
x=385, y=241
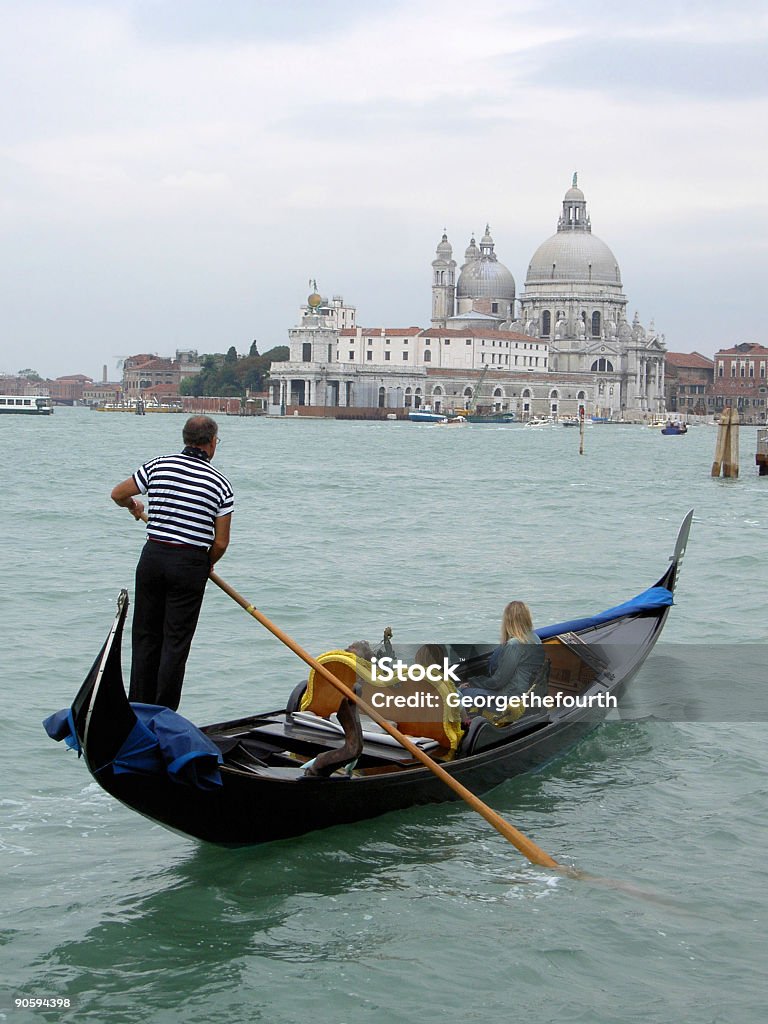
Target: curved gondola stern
x=670, y=578
x=102, y=716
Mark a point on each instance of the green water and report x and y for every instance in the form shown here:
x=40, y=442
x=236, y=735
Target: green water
x=341, y=529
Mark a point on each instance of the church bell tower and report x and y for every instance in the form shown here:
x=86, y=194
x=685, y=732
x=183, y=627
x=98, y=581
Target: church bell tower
x=443, y=282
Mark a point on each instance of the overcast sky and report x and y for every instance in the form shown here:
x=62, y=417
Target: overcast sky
x=175, y=171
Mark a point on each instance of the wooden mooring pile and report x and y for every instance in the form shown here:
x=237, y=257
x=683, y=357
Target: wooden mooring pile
x=761, y=457
x=727, y=447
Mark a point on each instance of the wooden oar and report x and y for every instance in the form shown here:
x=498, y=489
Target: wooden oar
x=525, y=845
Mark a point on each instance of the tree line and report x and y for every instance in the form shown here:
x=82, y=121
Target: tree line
x=230, y=376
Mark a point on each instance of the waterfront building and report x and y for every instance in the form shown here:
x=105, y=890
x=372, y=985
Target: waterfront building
x=741, y=381
x=688, y=378
x=103, y=393
x=68, y=390
x=13, y=384
x=146, y=374
x=386, y=368
x=318, y=372
x=360, y=371
x=469, y=348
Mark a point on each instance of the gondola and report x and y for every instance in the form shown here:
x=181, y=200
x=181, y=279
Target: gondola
x=246, y=781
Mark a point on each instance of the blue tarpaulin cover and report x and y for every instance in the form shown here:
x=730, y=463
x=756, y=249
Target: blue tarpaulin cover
x=650, y=600
x=61, y=726
x=162, y=741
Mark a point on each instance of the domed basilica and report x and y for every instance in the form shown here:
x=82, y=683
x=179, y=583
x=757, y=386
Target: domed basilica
x=572, y=298
x=562, y=347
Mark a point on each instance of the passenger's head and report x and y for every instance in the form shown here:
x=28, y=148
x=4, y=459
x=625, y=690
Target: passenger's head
x=362, y=649
x=429, y=654
x=200, y=431
x=516, y=622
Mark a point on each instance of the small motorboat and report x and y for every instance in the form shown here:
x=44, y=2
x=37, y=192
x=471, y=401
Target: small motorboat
x=426, y=414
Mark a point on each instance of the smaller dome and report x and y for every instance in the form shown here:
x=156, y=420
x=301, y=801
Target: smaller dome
x=444, y=247
x=485, y=279
x=574, y=193
x=472, y=252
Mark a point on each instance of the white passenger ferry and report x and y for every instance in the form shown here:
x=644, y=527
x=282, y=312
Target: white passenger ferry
x=30, y=405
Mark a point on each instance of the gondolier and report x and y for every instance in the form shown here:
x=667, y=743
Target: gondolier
x=189, y=514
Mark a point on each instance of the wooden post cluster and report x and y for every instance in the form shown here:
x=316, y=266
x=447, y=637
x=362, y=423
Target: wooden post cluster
x=761, y=456
x=727, y=448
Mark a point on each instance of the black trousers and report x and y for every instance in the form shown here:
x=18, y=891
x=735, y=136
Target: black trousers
x=170, y=583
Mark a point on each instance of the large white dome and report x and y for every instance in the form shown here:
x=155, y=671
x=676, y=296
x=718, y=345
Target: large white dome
x=576, y=256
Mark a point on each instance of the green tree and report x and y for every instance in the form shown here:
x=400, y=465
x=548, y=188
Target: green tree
x=229, y=376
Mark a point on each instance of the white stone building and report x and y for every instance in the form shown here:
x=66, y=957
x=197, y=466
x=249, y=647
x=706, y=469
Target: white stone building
x=571, y=329
x=386, y=368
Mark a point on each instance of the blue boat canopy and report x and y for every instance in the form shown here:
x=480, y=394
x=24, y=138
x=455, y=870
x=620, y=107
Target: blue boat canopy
x=161, y=742
x=650, y=600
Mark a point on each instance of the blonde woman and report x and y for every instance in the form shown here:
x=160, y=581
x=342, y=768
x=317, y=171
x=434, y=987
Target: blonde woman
x=514, y=665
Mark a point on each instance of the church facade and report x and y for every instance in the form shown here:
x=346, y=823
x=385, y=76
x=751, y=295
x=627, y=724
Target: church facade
x=567, y=334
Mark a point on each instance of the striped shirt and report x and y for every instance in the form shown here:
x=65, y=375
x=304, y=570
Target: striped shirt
x=186, y=496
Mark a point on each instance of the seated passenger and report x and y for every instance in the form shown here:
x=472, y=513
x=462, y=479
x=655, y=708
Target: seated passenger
x=430, y=654
x=515, y=664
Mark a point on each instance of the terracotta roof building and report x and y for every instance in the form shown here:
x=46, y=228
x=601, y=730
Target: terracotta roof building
x=741, y=381
x=688, y=379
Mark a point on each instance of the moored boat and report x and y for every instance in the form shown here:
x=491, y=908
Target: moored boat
x=245, y=781
x=492, y=417
x=426, y=415
x=28, y=405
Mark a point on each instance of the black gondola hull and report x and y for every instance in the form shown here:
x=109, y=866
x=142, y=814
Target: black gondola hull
x=249, y=811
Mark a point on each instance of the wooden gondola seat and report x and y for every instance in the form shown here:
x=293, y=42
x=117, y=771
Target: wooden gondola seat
x=483, y=735
x=322, y=698
x=441, y=723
